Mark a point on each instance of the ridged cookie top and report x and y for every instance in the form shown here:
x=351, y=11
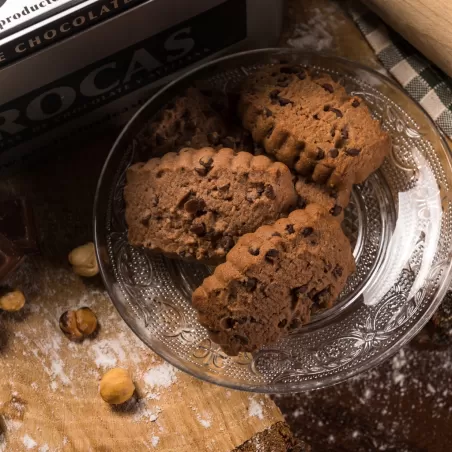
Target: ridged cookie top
x=196, y=203
x=273, y=279
x=312, y=125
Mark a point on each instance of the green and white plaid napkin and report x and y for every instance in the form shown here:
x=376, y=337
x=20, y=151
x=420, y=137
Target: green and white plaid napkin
x=425, y=82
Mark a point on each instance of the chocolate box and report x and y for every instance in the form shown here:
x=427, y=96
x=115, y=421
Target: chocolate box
x=67, y=66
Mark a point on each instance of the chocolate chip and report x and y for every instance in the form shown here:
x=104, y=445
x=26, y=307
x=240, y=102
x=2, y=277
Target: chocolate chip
x=282, y=323
x=227, y=242
x=320, y=154
x=268, y=112
x=159, y=140
x=253, y=251
x=337, y=272
x=283, y=83
x=250, y=284
x=289, y=70
x=337, y=112
x=328, y=87
x=301, y=203
x=198, y=229
x=145, y=220
x=344, y=133
x=228, y=142
x=271, y=254
x=316, y=117
x=336, y=210
x=228, y=323
x=294, y=324
x=242, y=339
x=214, y=138
x=290, y=229
x=276, y=234
x=260, y=188
x=355, y=103
x=333, y=131
x=307, y=231
x=201, y=171
x=300, y=146
x=352, y=152
x=301, y=75
x=195, y=205
x=206, y=162
x=274, y=94
x=269, y=192
x=224, y=187
x=270, y=131
x=326, y=108
x=301, y=290
x=333, y=153
x=283, y=101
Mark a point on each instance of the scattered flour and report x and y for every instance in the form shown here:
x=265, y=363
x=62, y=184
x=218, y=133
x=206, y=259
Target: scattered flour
x=255, y=409
x=155, y=440
x=107, y=353
x=141, y=412
x=315, y=34
x=44, y=448
x=162, y=376
x=205, y=421
x=29, y=442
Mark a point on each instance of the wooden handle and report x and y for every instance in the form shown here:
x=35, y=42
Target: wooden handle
x=427, y=24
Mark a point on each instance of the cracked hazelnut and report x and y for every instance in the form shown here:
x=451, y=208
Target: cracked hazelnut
x=12, y=301
x=83, y=260
x=116, y=386
x=78, y=324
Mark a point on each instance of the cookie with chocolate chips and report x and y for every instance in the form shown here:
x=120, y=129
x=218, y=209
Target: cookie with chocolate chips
x=273, y=279
x=312, y=125
x=195, y=204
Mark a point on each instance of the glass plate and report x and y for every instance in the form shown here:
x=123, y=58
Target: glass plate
x=399, y=223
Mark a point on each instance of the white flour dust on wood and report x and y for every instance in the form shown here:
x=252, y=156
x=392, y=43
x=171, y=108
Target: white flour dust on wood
x=255, y=409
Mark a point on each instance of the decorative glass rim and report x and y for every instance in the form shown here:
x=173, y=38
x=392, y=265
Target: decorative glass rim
x=100, y=211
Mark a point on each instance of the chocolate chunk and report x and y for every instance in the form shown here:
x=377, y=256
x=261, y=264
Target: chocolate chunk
x=224, y=187
x=195, y=206
x=253, y=251
x=201, y=171
x=271, y=254
x=336, y=210
x=198, y=229
x=316, y=117
x=301, y=75
x=276, y=234
x=260, y=188
x=307, y=231
x=333, y=153
x=294, y=324
x=321, y=297
x=355, y=103
x=301, y=203
x=337, y=272
x=250, y=284
x=228, y=323
x=328, y=87
x=17, y=225
x=242, y=339
x=290, y=229
x=282, y=323
x=206, y=162
x=268, y=112
x=283, y=101
x=352, y=152
x=336, y=111
x=145, y=220
x=300, y=146
x=227, y=242
x=214, y=138
x=269, y=192
x=228, y=142
x=320, y=154
x=274, y=94
x=283, y=83
x=300, y=290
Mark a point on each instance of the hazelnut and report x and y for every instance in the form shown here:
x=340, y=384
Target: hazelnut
x=78, y=324
x=83, y=260
x=86, y=321
x=12, y=301
x=116, y=386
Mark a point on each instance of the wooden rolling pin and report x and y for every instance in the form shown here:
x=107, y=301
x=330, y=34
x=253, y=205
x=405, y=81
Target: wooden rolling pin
x=426, y=24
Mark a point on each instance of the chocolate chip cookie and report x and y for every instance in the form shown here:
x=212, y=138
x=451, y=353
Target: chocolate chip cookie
x=312, y=125
x=334, y=201
x=196, y=203
x=273, y=279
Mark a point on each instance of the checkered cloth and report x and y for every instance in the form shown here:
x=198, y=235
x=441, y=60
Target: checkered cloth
x=426, y=83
